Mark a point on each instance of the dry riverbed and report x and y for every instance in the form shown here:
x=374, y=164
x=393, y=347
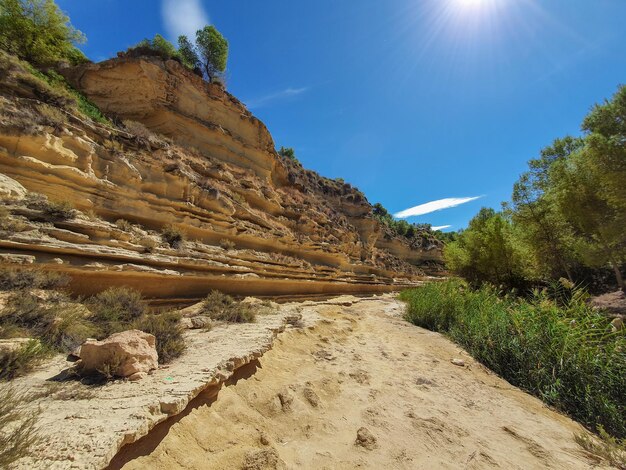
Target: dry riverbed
x=355, y=386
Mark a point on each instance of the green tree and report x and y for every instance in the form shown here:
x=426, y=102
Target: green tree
x=488, y=251
x=37, y=31
x=597, y=221
x=288, y=153
x=536, y=216
x=213, y=51
x=188, y=53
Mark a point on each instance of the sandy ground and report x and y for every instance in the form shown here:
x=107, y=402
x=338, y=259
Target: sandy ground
x=362, y=389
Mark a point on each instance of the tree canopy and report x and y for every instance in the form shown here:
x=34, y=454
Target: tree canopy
x=567, y=214
x=213, y=51
x=39, y=32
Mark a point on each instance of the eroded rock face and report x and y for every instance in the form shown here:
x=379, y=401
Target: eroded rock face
x=122, y=354
x=254, y=223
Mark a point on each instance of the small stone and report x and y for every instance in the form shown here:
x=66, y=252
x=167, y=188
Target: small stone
x=137, y=376
x=458, y=362
x=617, y=324
x=264, y=439
x=311, y=396
x=365, y=438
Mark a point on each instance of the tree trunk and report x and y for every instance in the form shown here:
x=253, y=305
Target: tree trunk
x=618, y=276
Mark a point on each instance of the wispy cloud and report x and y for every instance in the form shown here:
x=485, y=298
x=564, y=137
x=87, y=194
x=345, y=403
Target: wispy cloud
x=183, y=17
x=440, y=227
x=272, y=97
x=434, y=206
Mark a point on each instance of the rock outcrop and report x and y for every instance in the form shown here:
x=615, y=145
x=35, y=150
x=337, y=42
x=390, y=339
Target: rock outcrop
x=190, y=160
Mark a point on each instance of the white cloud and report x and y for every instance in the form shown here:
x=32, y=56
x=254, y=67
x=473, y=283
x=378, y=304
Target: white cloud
x=267, y=99
x=440, y=227
x=434, y=206
x=183, y=17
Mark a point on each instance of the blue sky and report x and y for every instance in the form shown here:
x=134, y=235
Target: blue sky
x=411, y=101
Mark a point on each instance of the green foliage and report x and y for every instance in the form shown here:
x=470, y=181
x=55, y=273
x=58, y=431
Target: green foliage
x=488, y=251
x=567, y=213
x=39, y=32
x=17, y=443
x=289, y=153
x=222, y=307
x=404, y=229
x=168, y=331
x=560, y=349
x=212, y=50
x=188, y=53
x=158, y=46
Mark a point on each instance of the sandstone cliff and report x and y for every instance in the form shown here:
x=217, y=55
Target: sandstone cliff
x=187, y=157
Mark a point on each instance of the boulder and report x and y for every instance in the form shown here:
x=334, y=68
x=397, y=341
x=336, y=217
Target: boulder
x=121, y=354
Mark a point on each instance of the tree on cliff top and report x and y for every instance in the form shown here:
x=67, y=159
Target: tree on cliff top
x=39, y=32
x=209, y=53
x=213, y=49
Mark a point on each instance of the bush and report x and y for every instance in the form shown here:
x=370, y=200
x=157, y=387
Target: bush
x=562, y=351
x=59, y=210
x=116, y=308
x=173, y=236
x=222, y=307
x=12, y=278
x=57, y=322
x=167, y=329
x=227, y=244
x=124, y=225
x=23, y=435
x=20, y=361
x=8, y=223
x=148, y=244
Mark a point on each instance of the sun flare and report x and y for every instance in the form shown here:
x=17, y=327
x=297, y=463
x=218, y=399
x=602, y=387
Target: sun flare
x=471, y=3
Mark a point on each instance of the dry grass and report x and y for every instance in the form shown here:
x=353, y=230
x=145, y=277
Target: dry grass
x=19, y=362
x=59, y=210
x=605, y=447
x=227, y=244
x=59, y=323
x=124, y=225
x=15, y=278
x=10, y=224
x=149, y=244
x=17, y=427
x=174, y=236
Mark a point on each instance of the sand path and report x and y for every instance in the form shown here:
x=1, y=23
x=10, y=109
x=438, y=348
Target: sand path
x=361, y=366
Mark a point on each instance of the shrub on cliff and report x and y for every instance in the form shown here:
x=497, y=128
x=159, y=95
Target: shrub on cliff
x=167, y=330
x=174, y=236
x=15, y=278
x=114, y=309
x=39, y=32
x=222, y=307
